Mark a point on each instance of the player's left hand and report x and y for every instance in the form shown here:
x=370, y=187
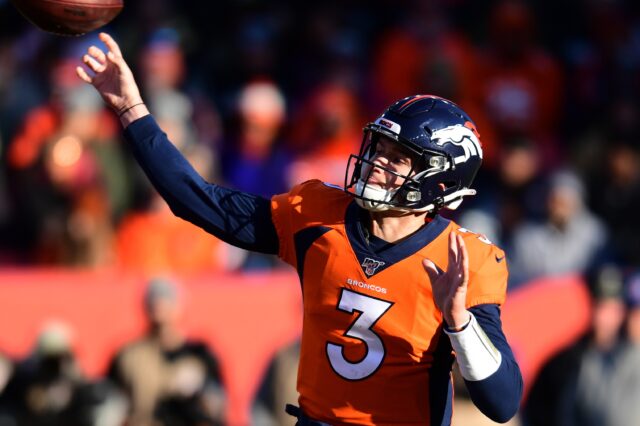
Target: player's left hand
x=450, y=287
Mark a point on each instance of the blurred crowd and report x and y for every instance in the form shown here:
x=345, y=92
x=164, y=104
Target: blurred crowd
x=262, y=95
x=596, y=379
x=163, y=378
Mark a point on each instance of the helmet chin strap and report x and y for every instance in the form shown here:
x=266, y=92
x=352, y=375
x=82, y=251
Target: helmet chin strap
x=451, y=201
x=378, y=199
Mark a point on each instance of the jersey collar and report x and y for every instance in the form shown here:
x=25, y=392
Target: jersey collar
x=373, y=262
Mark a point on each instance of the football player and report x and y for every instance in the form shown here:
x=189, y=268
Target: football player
x=392, y=291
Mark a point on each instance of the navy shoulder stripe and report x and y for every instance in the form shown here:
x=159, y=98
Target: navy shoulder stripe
x=303, y=239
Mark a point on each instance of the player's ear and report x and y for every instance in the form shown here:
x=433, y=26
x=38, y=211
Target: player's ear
x=431, y=268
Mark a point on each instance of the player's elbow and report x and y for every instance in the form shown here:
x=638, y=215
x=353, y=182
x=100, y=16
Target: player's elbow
x=501, y=410
x=503, y=413
x=498, y=396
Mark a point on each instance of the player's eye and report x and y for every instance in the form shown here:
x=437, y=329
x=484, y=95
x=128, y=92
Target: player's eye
x=399, y=159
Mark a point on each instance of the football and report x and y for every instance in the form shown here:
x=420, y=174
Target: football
x=69, y=17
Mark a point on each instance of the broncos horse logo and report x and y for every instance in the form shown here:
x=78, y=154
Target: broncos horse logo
x=462, y=136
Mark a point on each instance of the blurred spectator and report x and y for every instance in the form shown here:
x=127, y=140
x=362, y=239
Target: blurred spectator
x=615, y=193
x=5, y=211
x=425, y=53
x=520, y=83
x=6, y=409
x=509, y=196
x=633, y=302
x=174, y=246
x=69, y=182
x=601, y=56
x=177, y=100
x=6, y=370
x=421, y=50
x=23, y=56
x=47, y=388
x=256, y=161
x=168, y=379
x=326, y=132
x=256, y=41
x=589, y=383
x=278, y=388
x=570, y=240
x=162, y=61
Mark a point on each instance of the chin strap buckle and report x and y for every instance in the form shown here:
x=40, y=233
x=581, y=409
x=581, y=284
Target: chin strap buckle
x=438, y=203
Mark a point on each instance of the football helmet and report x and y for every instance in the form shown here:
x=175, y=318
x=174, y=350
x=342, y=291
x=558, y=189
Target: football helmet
x=445, y=149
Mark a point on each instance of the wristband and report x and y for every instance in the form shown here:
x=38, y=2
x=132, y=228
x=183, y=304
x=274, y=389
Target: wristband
x=121, y=112
x=476, y=355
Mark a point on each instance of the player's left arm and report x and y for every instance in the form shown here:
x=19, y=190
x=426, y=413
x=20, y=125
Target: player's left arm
x=487, y=364
x=486, y=361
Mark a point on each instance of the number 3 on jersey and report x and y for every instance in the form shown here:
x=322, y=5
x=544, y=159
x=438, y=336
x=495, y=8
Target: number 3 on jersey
x=370, y=311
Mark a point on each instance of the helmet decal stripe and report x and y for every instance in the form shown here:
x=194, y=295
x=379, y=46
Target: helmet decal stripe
x=470, y=125
x=410, y=101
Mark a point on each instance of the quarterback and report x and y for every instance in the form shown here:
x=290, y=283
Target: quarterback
x=393, y=292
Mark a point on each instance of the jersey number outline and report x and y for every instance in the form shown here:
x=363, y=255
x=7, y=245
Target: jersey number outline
x=370, y=310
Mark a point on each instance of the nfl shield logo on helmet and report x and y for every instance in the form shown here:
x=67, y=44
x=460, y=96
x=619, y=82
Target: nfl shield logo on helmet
x=370, y=265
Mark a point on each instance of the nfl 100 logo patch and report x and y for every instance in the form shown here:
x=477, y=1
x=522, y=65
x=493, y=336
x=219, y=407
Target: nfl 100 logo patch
x=370, y=265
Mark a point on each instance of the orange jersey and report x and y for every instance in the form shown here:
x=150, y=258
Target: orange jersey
x=373, y=351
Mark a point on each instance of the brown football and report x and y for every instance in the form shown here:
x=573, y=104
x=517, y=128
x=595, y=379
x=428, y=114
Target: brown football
x=69, y=17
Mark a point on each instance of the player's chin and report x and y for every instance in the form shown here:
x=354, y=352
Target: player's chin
x=377, y=184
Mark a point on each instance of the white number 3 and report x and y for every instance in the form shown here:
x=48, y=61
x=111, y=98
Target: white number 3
x=370, y=310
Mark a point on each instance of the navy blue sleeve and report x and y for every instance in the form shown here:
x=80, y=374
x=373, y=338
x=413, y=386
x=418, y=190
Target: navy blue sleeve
x=238, y=218
x=498, y=396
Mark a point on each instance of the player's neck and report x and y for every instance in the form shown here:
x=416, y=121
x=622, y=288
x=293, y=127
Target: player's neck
x=394, y=226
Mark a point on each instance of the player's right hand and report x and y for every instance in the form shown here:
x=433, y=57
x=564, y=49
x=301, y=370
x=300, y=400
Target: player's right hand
x=111, y=77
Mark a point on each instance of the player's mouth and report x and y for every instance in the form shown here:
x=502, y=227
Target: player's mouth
x=376, y=183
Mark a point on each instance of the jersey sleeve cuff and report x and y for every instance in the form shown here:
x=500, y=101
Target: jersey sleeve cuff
x=142, y=128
